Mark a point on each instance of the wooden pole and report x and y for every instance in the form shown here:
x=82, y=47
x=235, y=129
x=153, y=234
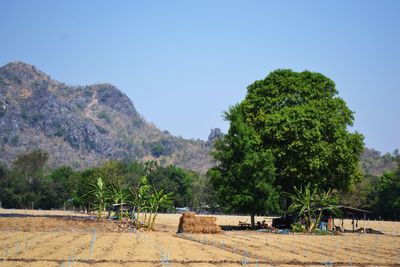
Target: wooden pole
x=364, y=223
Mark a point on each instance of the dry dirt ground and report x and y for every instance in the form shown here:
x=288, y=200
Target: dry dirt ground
x=44, y=241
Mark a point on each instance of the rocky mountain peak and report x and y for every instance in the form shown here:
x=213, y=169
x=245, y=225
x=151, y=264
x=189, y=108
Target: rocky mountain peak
x=21, y=72
x=82, y=126
x=214, y=135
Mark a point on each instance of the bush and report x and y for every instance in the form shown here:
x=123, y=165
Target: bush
x=298, y=228
x=104, y=116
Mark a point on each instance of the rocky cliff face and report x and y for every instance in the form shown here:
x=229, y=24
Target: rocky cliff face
x=83, y=126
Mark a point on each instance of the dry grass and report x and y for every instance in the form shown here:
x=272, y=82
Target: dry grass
x=53, y=248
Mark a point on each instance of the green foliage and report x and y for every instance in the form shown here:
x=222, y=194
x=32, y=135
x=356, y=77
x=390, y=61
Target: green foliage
x=302, y=121
x=60, y=187
x=379, y=194
x=176, y=180
x=387, y=195
x=157, y=149
x=245, y=174
x=298, y=228
x=24, y=186
x=111, y=171
x=148, y=201
x=118, y=194
x=31, y=164
x=104, y=116
x=309, y=203
x=29, y=181
x=163, y=147
x=290, y=130
x=361, y=194
x=98, y=192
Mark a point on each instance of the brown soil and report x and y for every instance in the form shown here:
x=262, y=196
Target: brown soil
x=68, y=224
x=38, y=241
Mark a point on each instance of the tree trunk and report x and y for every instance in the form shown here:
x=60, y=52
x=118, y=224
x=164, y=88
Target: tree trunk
x=253, y=223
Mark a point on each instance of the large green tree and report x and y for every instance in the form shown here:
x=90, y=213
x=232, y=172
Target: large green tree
x=297, y=121
x=301, y=119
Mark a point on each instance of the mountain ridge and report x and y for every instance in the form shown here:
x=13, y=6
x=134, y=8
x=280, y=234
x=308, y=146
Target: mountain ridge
x=83, y=126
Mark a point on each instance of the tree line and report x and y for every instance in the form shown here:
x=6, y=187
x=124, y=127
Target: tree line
x=29, y=183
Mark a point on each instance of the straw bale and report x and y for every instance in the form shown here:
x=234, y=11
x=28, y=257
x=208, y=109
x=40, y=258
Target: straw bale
x=189, y=223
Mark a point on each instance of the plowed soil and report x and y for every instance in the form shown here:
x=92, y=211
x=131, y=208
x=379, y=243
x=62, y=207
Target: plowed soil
x=56, y=241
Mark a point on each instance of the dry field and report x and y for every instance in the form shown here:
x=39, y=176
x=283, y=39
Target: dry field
x=38, y=241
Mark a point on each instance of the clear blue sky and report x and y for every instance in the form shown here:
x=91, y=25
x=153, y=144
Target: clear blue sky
x=184, y=62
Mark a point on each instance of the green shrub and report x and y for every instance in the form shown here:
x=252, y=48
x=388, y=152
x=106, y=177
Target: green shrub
x=104, y=116
x=298, y=228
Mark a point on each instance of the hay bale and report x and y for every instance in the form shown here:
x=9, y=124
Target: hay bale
x=189, y=223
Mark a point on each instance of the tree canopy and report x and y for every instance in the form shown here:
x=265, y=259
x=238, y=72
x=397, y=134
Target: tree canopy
x=294, y=123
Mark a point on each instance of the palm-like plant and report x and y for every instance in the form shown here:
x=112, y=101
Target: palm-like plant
x=149, y=201
x=156, y=201
x=98, y=192
x=118, y=194
x=140, y=198
x=311, y=203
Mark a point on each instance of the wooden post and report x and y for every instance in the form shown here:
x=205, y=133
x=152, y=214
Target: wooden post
x=342, y=225
x=365, y=223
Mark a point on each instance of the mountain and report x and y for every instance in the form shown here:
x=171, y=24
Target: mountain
x=82, y=126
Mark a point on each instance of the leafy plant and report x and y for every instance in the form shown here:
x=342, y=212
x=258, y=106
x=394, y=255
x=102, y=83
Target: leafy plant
x=310, y=203
x=99, y=194
x=298, y=228
x=156, y=201
x=104, y=116
x=118, y=194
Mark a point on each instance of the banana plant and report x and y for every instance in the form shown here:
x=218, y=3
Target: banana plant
x=311, y=203
x=118, y=194
x=140, y=199
x=156, y=201
x=98, y=192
